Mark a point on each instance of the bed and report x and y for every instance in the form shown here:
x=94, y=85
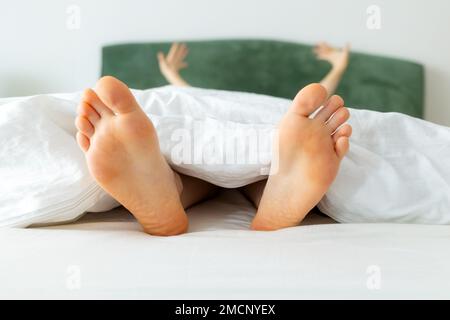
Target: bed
x=106, y=255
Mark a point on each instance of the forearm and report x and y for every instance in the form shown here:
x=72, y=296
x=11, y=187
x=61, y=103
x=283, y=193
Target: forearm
x=332, y=80
x=176, y=80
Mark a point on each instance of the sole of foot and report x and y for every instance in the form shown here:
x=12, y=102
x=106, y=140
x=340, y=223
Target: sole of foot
x=309, y=154
x=123, y=155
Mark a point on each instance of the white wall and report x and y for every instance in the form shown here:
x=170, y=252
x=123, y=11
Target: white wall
x=40, y=54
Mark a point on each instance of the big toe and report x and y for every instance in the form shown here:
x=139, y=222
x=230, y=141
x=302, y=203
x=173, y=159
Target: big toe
x=116, y=95
x=309, y=99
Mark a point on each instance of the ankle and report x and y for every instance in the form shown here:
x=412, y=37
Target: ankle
x=178, y=183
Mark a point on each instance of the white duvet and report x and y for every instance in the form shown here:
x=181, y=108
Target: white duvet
x=397, y=170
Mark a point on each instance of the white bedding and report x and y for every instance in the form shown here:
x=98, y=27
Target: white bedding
x=105, y=255
x=396, y=171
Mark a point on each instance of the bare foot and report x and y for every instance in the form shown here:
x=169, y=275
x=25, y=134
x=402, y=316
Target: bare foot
x=123, y=155
x=310, y=152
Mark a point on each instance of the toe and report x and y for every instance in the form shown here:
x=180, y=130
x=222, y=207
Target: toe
x=84, y=126
x=83, y=141
x=91, y=98
x=342, y=146
x=116, y=95
x=330, y=107
x=338, y=119
x=309, y=99
x=343, y=131
x=86, y=110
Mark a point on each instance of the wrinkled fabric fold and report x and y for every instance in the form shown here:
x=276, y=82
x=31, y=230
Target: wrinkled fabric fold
x=397, y=169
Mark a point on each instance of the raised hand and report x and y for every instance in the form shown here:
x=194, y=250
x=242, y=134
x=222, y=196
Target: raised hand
x=171, y=64
x=338, y=58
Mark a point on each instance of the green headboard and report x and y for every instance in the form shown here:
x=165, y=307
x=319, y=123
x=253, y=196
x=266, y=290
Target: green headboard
x=274, y=68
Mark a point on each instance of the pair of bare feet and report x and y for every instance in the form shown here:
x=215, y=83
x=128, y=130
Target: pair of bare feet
x=123, y=155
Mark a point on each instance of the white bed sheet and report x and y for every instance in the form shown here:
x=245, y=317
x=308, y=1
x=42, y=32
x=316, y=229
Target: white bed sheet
x=105, y=255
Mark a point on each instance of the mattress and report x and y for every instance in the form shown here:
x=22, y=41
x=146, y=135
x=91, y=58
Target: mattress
x=107, y=256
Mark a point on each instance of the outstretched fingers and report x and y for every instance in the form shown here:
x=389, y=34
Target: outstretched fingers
x=182, y=52
x=322, y=50
x=161, y=57
x=173, y=51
